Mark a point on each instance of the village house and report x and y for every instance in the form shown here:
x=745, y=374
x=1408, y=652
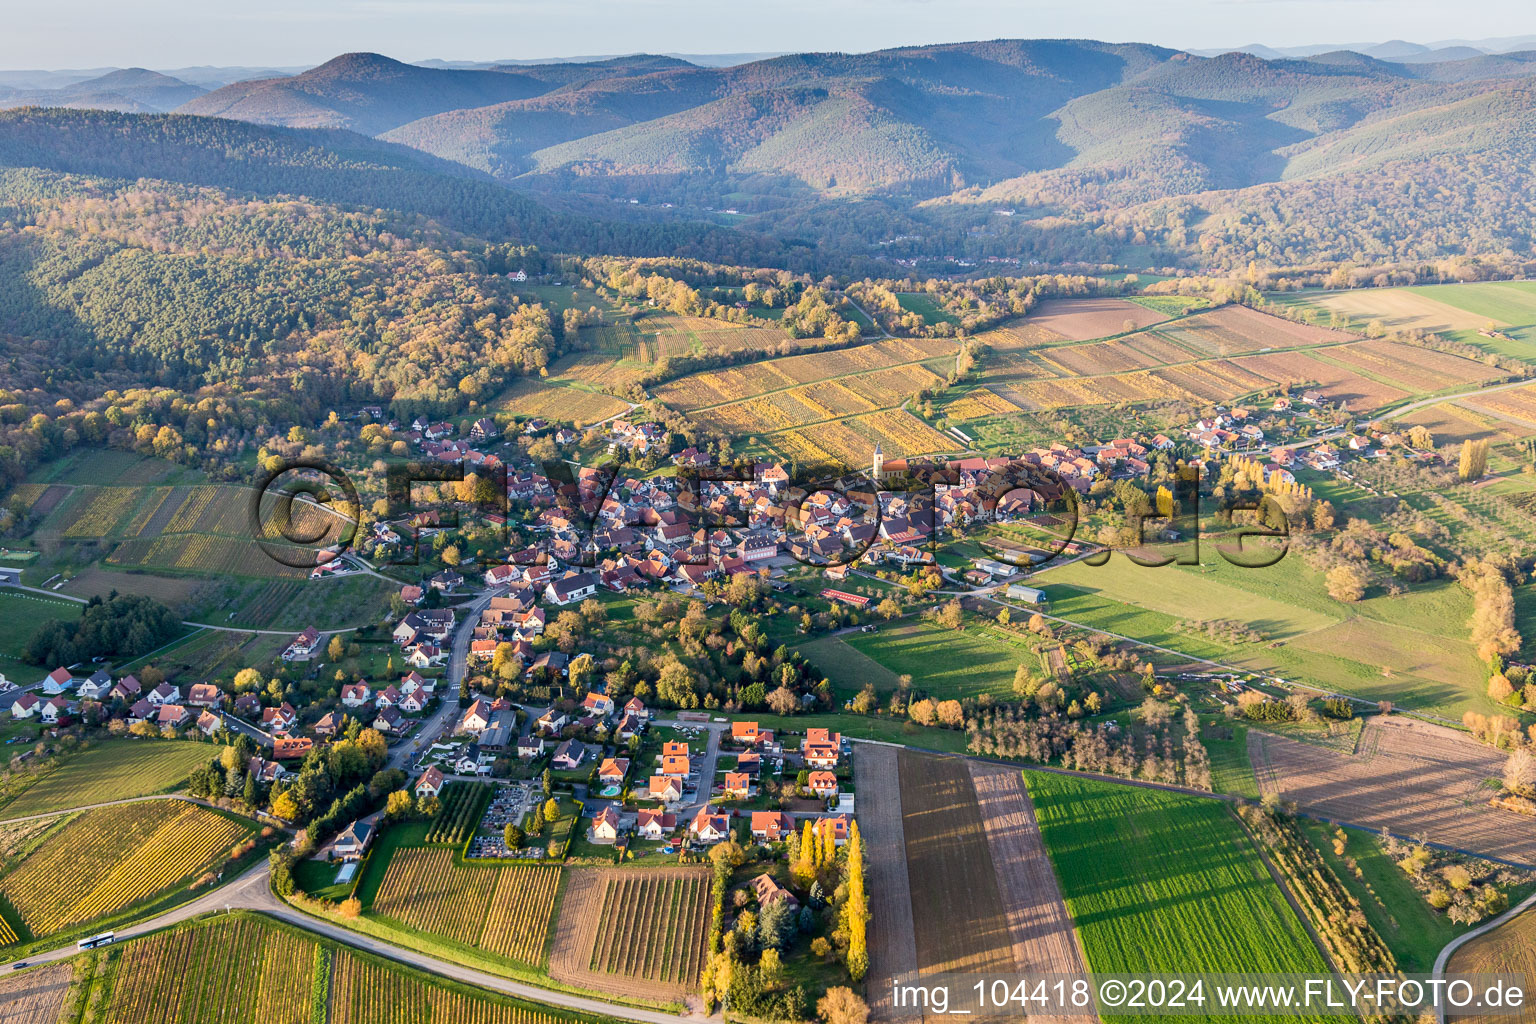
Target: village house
x=163, y=694
x=613, y=770
x=769, y=892
x=58, y=681
x=551, y=721
x=173, y=715
x=96, y=686
x=330, y=723
x=25, y=706
x=127, y=689
x=353, y=842
x=355, y=695
x=205, y=695
x=823, y=784
x=709, y=828
x=291, y=748
x=570, y=589
x=667, y=790
x=738, y=786
x=568, y=755
x=655, y=825
x=771, y=826
x=303, y=646
x=606, y=826
x=475, y=718
x=390, y=722
x=430, y=784
x=279, y=719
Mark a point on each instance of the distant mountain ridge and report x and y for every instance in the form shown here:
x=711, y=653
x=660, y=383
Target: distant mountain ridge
x=131, y=90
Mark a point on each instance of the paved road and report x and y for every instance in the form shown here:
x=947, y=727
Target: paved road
x=448, y=707
x=1443, y=960
x=1423, y=402
x=252, y=891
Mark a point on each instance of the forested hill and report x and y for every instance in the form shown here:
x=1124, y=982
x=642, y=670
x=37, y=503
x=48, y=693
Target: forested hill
x=1121, y=153
x=338, y=167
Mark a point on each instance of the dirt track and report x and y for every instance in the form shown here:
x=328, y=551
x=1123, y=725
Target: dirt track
x=1044, y=941
x=1405, y=776
x=892, y=951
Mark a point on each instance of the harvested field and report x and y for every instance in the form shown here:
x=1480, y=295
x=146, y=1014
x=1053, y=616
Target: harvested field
x=1396, y=308
x=36, y=997
x=1233, y=330
x=502, y=910
x=646, y=927
x=1337, y=383
x=892, y=946
x=1452, y=423
x=1408, y=777
x=1044, y=941
x=1515, y=408
x=1419, y=370
x=1086, y=319
x=1508, y=949
x=958, y=910
x=173, y=590
x=50, y=499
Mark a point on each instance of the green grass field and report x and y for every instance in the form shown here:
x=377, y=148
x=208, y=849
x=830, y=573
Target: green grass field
x=925, y=307
x=849, y=669
x=1397, y=911
x=113, y=770
x=20, y=615
x=1411, y=649
x=1165, y=882
x=943, y=663
x=1231, y=768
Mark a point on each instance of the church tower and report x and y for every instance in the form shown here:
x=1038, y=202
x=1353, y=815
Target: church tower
x=877, y=470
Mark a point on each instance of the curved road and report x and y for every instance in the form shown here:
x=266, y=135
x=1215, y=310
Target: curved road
x=252, y=891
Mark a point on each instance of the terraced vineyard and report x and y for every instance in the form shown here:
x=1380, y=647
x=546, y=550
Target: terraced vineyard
x=112, y=857
x=647, y=927
x=1160, y=881
x=502, y=910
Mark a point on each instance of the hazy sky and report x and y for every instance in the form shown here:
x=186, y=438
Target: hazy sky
x=174, y=33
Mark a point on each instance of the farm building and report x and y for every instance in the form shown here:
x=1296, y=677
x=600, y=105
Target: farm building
x=1029, y=595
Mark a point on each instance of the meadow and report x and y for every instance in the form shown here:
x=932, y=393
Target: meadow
x=1164, y=882
x=110, y=770
x=1411, y=649
x=20, y=615
x=925, y=307
x=943, y=663
x=1456, y=311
